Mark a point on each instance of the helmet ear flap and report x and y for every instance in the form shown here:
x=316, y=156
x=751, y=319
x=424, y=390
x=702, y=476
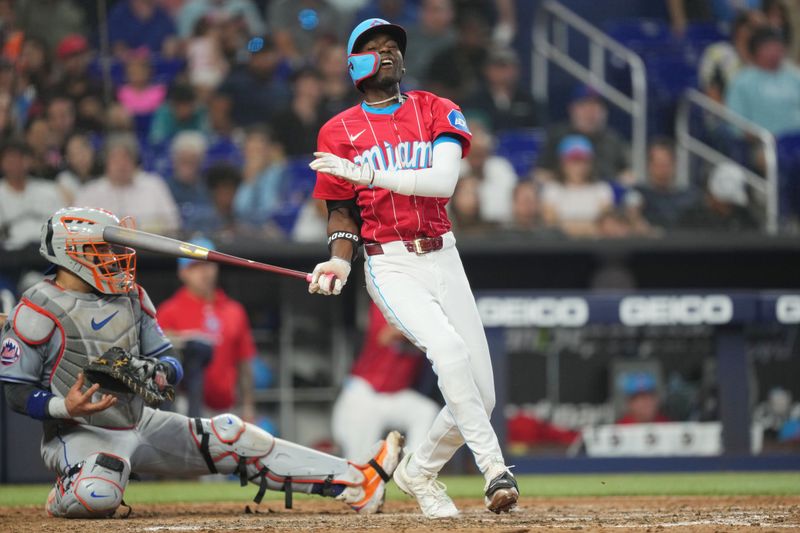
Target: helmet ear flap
x=48, y=239
x=363, y=66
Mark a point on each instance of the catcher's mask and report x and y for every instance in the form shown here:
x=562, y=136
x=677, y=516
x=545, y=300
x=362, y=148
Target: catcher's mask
x=73, y=239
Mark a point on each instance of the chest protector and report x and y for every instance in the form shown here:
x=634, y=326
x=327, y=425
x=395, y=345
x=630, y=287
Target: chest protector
x=91, y=324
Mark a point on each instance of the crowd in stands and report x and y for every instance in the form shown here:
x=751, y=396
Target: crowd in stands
x=198, y=116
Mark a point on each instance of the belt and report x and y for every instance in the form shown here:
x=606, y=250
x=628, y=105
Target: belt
x=420, y=246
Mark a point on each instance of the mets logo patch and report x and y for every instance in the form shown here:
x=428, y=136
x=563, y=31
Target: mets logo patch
x=9, y=352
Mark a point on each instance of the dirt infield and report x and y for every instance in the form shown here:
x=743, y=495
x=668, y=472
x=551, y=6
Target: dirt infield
x=652, y=514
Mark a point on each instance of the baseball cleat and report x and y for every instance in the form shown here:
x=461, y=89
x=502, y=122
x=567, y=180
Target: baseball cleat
x=377, y=473
x=502, y=492
x=429, y=492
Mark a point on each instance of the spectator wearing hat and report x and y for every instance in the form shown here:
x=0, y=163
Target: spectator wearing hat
x=256, y=95
x=136, y=24
x=588, y=116
x=724, y=205
x=574, y=201
x=127, y=190
x=25, y=201
x=500, y=99
x=641, y=399
x=213, y=333
x=181, y=112
x=767, y=92
x=51, y=20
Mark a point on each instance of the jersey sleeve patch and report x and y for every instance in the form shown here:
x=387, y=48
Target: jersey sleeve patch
x=9, y=351
x=31, y=326
x=458, y=121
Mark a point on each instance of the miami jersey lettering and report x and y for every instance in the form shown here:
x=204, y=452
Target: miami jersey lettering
x=399, y=137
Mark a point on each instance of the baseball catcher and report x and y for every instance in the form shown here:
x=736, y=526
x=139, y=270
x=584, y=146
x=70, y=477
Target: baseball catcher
x=82, y=352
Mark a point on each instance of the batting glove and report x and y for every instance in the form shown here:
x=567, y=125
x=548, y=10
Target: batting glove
x=342, y=168
x=329, y=277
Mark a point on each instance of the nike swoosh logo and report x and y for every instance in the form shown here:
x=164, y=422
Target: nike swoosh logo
x=99, y=325
x=93, y=495
x=356, y=136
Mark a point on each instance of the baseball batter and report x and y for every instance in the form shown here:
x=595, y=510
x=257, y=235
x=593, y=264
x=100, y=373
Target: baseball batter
x=387, y=168
x=94, y=440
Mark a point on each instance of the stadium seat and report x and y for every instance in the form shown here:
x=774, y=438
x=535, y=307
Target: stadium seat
x=789, y=176
x=521, y=147
x=640, y=34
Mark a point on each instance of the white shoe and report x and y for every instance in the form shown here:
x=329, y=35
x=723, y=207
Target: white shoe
x=428, y=491
x=501, y=490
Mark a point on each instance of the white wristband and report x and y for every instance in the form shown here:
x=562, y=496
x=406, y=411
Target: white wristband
x=57, y=408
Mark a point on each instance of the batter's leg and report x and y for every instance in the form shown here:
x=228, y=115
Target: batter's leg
x=406, y=289
x=459, y=305
x=175, y=444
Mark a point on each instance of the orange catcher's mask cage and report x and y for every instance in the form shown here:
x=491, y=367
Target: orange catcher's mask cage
x=113, y=267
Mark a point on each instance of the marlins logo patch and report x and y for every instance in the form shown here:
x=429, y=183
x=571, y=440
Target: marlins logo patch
x=457, y=120
x=9, y=352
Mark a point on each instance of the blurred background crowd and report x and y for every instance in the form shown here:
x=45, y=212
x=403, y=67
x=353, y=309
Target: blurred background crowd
x=198, y=116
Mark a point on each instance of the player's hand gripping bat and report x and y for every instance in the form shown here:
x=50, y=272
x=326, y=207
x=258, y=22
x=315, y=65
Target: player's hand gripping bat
x=151, y=242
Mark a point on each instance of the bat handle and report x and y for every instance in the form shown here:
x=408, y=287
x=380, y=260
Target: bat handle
x=309, y=276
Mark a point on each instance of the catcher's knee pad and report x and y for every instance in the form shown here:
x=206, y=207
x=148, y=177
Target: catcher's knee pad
x=92, y=489
x=228, y=444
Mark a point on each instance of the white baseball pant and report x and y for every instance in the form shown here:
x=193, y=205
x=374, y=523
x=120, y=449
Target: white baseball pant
x=429, y=299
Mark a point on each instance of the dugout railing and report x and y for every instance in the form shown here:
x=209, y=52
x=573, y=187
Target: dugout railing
x=551, y=44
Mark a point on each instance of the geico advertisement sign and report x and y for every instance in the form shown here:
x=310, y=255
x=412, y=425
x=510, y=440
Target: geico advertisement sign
x=713, y=309
x=787, y=309
x=541, y=312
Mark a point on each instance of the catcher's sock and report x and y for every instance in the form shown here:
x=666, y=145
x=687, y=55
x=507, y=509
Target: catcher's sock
x=331, y=490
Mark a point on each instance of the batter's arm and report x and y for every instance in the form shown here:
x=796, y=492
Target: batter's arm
x=437, y=181
x=343, y=233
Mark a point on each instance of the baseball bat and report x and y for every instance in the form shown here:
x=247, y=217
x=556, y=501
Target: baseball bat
x=151, y=242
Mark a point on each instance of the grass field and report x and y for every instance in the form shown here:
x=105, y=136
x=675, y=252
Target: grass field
x=550, y=486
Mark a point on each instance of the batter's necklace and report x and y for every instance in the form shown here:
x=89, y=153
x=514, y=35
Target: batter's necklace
x=399, y=97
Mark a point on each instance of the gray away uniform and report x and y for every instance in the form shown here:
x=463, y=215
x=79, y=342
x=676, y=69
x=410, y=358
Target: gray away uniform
x=52, y=334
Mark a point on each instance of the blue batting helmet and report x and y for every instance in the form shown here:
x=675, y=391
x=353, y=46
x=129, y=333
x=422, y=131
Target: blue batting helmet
x=363, y=66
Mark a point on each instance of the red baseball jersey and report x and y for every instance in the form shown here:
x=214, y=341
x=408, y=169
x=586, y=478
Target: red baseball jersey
x=395, y=138
x=223, y=319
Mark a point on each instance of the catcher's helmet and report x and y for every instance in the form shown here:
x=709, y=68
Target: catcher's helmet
x=73, y=239
x=362, y=66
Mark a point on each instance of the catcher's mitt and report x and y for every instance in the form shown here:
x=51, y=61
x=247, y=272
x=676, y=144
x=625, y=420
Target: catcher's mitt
x=118, y=371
